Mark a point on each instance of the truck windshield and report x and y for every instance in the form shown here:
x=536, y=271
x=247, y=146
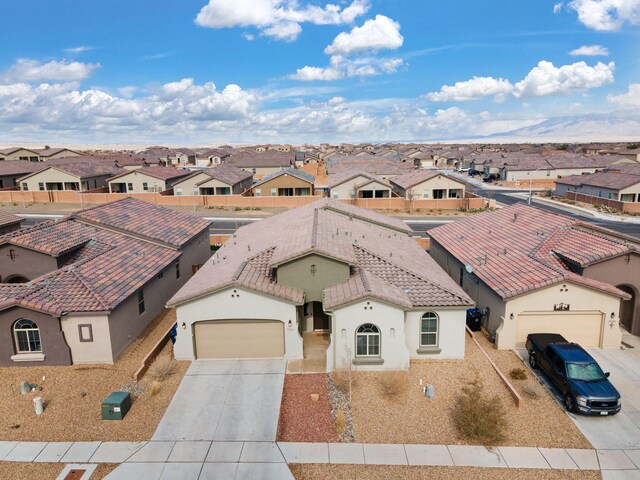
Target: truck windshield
x=587, y=372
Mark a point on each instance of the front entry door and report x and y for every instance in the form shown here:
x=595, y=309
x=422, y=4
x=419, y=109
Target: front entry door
x=320, y=319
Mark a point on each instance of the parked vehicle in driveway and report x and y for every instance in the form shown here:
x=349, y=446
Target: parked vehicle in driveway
x=584, y=386
x=473, y=173
x=463, y=169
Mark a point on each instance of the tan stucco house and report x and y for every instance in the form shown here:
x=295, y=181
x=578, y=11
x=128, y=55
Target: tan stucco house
x=81, y=289
x=328, y=269
x=427, y=184
x=354, y=183
x=146, y=180
x=536, y=272
x=221, y=180
x=73, y=176
x=19, y=153
x=287, y=182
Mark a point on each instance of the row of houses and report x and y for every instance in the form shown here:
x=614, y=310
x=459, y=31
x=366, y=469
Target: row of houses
x=618, y=182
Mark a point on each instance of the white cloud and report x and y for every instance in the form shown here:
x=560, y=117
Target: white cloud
x=248, y=37
x=590, y=51
x=607, y=15
x=310, y=74
x=557, y=8
x=279, y=19
x=381, y=33
x=546, y=79
x=474, y=89
x=631, y=99
x=26, y=70
x=81, y=49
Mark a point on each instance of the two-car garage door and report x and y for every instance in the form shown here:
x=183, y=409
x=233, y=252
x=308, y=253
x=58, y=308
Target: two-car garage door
x=239, y=339
x=584, y=328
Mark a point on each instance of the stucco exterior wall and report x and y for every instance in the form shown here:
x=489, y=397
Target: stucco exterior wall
x=451, y=332
x=282, y=181
x=440, y=182
x=188, y=185
x=54, y=347
x=137, y=178
x=343, y=191
x=11, y=180
x=97, y=351
x=52, y=175
x=623, y=270
x=581, y=299
x=21, y=153
x=297, y=274
x=245, y=304
x=26, y=263
x=389, y=319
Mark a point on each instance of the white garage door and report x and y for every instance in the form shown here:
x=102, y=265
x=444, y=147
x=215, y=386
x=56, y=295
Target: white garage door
x=584, y=328
x=239, y=339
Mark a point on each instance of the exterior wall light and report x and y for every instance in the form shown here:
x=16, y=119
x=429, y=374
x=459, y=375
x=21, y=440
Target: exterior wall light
x=184, y=326
x=289, y=323
x=511, y=317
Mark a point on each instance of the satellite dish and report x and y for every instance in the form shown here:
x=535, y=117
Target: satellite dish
x=468, y=268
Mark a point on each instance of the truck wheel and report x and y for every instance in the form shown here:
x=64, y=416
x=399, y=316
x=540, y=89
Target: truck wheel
x=569, y=403
x=533, y=361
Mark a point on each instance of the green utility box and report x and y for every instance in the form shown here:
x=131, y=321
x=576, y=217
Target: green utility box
x=116, y=406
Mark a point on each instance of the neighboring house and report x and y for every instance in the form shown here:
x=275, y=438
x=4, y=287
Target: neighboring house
x=353, y=183
x=542, y=272
x=380, y=167
x=211, y=158
x=221, y=180
x=119, y=160
x=533, y=166
x=146, y=180
x=81, y=289
x=9, y=222
x=261, y=164
x=19, y=153
x=284, y=183
x=624, y=187
x=182, y=156
x=427, y=184
x=11, y=172
x=73, y=176
x=47, y=154
x=325, y=268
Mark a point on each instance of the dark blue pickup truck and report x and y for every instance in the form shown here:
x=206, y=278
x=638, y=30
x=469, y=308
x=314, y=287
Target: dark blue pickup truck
x=584, y=386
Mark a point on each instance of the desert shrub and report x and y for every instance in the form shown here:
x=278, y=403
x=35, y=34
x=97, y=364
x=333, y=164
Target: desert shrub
x=162, y=368
x=341, y=421
x=518, y=374
x=393, y=383
x=532, y=390
x=155, y=389
x=479, y=417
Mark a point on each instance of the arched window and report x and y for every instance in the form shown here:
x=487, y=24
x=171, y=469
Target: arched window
x=429, y=330
x=367, y=341
x=27, y=336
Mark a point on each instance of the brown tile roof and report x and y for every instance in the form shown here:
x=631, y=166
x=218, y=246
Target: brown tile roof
x=261, y=160
x=10, y=150
x=7, y=219
x=226, y=174
x=47, y=152
x=386, y=261
x=20, y=167
x=146, y=220
x=416, y=177
x=346, y=175
x=161, y=173
x=371, y=164
x=519, y=249
x=610, y=180
x=120, y=159
x=300, y=174
x=83, y=170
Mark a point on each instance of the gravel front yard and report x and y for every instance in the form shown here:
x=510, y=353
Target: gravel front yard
x=410, y=417
x=377, y=472
x=73, y=397
x=301, y=418
x=46, y=471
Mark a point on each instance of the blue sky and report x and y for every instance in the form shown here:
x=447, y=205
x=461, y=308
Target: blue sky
x=218, y=71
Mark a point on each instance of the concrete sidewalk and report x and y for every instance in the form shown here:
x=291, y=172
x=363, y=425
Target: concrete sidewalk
x=200, y=460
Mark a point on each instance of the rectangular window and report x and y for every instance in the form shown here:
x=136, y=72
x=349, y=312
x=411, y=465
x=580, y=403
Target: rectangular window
x=145, y=186
x=274, y=192
x=258, y=192
x=438, y=194
x=177, y=270
x=140, y=302
x=253, y=170
x=85, y=332
x=41, y=186
x=425, y=194
x=178, y=191
x=25, y=186
x=130, y=187
x=336, y=195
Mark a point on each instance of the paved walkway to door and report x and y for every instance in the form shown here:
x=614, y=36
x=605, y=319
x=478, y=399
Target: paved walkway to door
x=226, y=400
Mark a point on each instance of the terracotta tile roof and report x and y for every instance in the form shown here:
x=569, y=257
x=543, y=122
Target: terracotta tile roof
x=161, y=173
x=7, y=219
x=519, y=249
x=300, y=174
x=385, y=259
x=50, y=237
x=147, y=220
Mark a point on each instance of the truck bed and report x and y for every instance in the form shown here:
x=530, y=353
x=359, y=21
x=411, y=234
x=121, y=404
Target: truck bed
x=541, y=340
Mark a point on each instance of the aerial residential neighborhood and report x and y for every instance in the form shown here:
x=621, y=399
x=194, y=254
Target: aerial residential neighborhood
x=312, y=240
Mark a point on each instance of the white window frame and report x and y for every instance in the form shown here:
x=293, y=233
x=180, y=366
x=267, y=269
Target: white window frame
x=423, y=332
x=361, y=331
x=34, y=328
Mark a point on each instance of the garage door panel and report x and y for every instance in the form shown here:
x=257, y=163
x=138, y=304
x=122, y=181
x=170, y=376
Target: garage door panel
x=582, y=328
x=239, y=339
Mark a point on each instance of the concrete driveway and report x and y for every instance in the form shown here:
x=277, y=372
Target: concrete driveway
x=621, y=431
x=226, y=400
